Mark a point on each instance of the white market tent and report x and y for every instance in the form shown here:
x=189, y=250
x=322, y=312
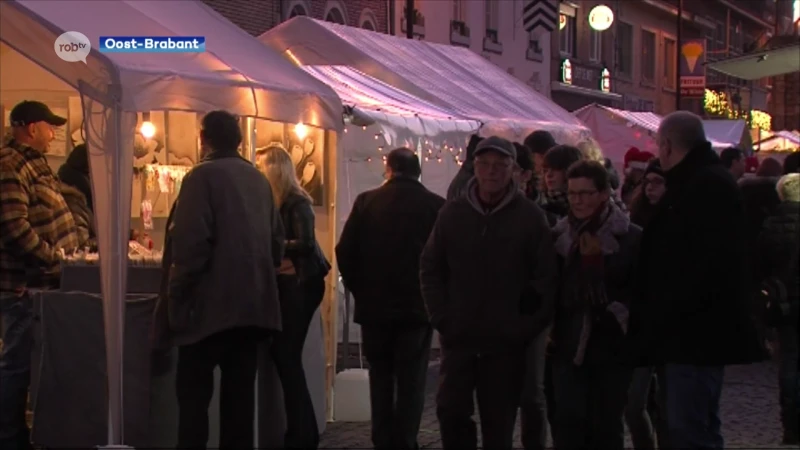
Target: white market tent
x=236, y=73
x=726, y=133
x=783, y=140
x=381, y=118
x=617, y=130
x=452, y=77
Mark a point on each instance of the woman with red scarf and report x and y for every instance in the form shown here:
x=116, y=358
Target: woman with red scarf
x=597, y=246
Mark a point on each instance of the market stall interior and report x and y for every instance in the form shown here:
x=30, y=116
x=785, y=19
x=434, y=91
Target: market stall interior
x=138, y=116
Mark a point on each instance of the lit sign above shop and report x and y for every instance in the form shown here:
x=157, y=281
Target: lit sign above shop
x=566, y=72
x=601, y=17
x=605, y=81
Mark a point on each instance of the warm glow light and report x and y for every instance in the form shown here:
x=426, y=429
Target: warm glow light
x=301, y=131
x=601, y=17
x=147, y=129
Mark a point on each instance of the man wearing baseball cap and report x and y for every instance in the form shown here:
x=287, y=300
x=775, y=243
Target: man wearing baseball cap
x=35, y=224
x=488, y=278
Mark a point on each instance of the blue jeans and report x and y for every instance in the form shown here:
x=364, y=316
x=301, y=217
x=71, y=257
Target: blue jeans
x=15, y=370
x=693, y=396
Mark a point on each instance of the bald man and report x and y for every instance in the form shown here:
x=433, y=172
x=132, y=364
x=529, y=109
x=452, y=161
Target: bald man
x=691, y=316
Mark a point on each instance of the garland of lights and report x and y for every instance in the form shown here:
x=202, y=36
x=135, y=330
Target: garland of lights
x=717, y=104
x=430, y=151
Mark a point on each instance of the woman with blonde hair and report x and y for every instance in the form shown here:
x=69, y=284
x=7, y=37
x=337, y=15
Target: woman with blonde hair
x=301, y=286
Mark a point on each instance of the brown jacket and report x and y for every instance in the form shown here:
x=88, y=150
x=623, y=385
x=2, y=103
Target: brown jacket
x=489, y=279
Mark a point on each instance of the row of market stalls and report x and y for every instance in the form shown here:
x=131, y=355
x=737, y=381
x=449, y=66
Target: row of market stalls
x=358, y=93
x=616, y=131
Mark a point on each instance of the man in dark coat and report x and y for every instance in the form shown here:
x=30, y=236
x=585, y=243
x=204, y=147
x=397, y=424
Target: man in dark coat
x=378, y=258
x=693, y=314
x=75, y=172
x=226, y=240
x=489, y=276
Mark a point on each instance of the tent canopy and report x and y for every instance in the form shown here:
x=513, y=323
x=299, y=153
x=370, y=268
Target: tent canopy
x=762, y=64
x=235, y=73
x=392, y=107
x=725, y=133
x=453, y=77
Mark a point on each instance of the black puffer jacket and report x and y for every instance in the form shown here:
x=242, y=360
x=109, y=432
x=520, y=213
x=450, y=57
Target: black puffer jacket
x=778, y=246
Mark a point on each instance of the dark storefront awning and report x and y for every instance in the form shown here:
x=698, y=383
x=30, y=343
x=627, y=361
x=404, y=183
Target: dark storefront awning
x=761, y=64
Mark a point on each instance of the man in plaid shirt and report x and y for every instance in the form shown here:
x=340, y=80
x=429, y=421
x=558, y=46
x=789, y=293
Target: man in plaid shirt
x=35, y=224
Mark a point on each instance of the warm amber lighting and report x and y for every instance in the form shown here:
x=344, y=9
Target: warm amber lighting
x=301, y=131
x=147, y=129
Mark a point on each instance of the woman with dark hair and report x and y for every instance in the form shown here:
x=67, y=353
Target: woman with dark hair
x=76, y=188
x=645, y=203
x=459, y=184
x=556, y=161
x=597, y=246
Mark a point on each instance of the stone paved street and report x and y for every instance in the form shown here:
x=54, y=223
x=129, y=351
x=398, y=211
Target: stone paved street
x=749, y=414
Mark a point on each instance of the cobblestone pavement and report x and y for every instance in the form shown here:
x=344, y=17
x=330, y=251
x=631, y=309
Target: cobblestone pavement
x=749, y=414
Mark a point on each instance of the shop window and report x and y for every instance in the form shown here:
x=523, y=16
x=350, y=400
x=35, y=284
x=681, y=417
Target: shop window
x=367, y=20
x=459, y=10
x=624, y=63
x=648, y=56
x=534, y=51
x=297, y=10
x=595, y=46
x=566, y=34
x=670, y=61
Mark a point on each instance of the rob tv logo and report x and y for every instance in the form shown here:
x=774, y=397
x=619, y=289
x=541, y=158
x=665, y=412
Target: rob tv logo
x=73, y=46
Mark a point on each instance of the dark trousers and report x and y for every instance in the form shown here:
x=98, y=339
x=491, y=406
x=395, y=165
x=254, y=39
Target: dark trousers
x=789, y=382
x=534, y=408
x=693, y=396
x=496, y=379
x=235, y=351
x=15, y=370
x=644, y=413
x=299, y=301
x=398, y=356
x=591, y=401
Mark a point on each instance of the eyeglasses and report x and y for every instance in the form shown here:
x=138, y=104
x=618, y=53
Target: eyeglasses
x=579, y=195
x=498, y=166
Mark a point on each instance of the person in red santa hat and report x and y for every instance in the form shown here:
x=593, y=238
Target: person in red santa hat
x=635, y=164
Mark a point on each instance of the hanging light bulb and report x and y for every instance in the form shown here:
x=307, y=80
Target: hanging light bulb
x=301, y=131
x=364, y=127
x=148, y=130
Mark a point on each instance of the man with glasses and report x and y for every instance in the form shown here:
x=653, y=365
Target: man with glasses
x=488, y=277
x=35, y=223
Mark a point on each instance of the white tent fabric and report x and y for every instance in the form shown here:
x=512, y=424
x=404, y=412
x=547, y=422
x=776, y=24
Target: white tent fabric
x=725, y=133
x=452, y=77
x=783, y=140
x=236, y=73
x=617, y=130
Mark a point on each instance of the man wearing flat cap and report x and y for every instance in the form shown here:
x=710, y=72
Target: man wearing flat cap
x=35, y=224
x=488, y=278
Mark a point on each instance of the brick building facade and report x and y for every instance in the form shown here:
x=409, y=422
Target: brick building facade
x=256, y=17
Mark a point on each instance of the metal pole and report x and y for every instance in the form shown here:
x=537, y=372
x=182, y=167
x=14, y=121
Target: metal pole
x=410, y=19
x=678, y=57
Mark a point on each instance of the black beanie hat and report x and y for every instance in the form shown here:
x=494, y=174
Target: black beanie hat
x=524, y=157
x=654, y=166
x=540, y=142
x=561, y=157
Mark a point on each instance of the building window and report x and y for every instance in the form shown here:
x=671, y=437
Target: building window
x=492, y=14
x=670, y=61
x=298, y=10
x=566, y=34
x=624, y=63
x=595, y=46
x=459, y=11
x=335, y=15
x=368, y=20
x=648, y=56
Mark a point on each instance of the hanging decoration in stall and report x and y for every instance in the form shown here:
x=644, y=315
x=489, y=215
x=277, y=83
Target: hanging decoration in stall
x=165, y=179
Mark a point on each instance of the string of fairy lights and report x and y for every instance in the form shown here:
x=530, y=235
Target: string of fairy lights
x=428, y=150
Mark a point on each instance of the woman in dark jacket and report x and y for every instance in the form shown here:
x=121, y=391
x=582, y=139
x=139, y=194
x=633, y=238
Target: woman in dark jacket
x=75, y=172
x=597, y=246
x=779, y=249
x=301, y=287
x=645, y=203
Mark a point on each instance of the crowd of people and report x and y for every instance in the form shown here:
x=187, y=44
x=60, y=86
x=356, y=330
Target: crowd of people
x=583, y=301
x=552, y=293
